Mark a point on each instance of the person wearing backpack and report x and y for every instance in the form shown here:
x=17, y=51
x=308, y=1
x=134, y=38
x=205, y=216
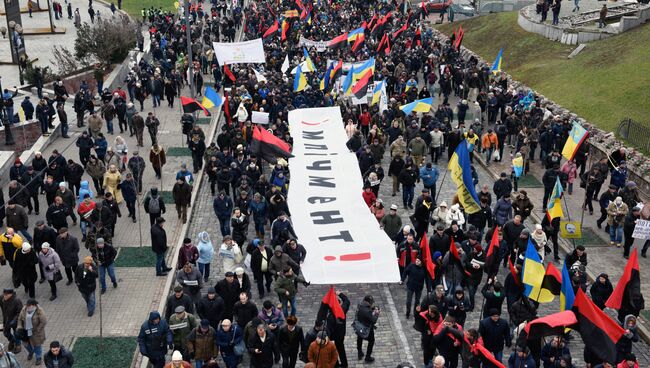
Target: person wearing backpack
x=154, y=205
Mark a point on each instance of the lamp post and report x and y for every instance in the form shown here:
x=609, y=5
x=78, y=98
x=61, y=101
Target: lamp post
x=9, y=138
x=18, y=48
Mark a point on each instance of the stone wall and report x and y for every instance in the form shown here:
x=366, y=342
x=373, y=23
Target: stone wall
x=602, y=142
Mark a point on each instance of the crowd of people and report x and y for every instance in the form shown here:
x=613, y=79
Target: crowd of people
x=235, y=319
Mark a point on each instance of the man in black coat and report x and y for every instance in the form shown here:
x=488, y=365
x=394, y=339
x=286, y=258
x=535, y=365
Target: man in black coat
x=495, y=333
x=335, y=327
x=59, y=355
x=367, y=315
x=178, y=298
x=11, y=306
x=228, y=290
x=502, y=186
x=291, y=341
x=415, y=275
x=86, y=280
x=261, y=346
x=261, y=253
x=159, y=246
x=210, y=307
x=33, y=182
x=244, y=310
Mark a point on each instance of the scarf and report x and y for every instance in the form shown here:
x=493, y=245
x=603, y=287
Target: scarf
x=28, y=322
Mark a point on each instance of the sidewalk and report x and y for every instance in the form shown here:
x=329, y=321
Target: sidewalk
x=139, y=291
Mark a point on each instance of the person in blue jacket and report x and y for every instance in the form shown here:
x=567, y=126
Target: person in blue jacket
x=521, y=358
x=230, y=335
x=429, y=176
x=154, y=339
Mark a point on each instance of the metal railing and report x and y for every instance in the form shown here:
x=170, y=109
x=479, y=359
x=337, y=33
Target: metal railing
x=635, y=133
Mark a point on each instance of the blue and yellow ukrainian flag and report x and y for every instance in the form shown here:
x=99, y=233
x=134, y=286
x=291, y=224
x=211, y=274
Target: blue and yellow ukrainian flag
x=347, y=82
x=360, y=70
x=533, y=272
x=496, y=66
x=518, y=166
x=325, y=82
x=211, y=98
x=461, y=173
x=309, y=65
x=576, y=137
x=554, y=205
x=376, y=93
x=567, y=296
x=423, y=105
x=356, y=33
x=300, y=80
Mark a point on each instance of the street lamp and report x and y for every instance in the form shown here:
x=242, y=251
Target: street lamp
x=4, y=118
x=18, y=48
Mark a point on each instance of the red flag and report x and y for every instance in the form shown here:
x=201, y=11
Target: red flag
x=492, y=257
x=357, y=43
x=399, y=31
x=387, y=49
x=338, y=41
x=372, y=21
x=513, y=272
x=267, y=146
x=597, y=329
x=332, y=302
x=487, y=355
x=453, y=249
x=553, y=324
x=426, y=255
x=226, y=109
x=381, y=43
x=299, y=3
x=272, y=29
x=424, y=8
x=459, y=38
x=627, y=294
x=417, y=39
x=228, y=73
x=191, y=105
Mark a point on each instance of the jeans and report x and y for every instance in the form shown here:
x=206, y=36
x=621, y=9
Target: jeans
x=204, y=268
x=64, y=128
x=102, y=274
x=616, y=233
x=224, y=224
x=488, y=154
x=160, y=263
x=84, y=227
x=109, y=126
x=43, y=122
x=259, y=226
x=156, y=100
x=25, y=234
x=10, y=115
x=36, y=350
x=407, y=195
x=284, y=300
x=90, y=301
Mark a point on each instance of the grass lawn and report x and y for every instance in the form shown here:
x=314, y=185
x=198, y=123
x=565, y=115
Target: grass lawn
x=116, y=352
x=134, y=7
x=607, y=82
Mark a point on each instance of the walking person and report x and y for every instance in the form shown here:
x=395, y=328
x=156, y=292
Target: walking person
x=86, y=280
x=51, y=265
x=154, y=339
x=25, y=262
x=291, y=341
x=11, y=306
x=367, y=316
x=32, y=320
x=67, y=247
x=154, y=205
x=104, y=254
x=206, y=254
x=182, y=193
x=159, y=246
x=58, y=356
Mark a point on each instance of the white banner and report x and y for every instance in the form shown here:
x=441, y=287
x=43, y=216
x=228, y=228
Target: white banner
x=260, y=118
x=320, y=46
x=239, y=52
x=641, y=229
x=343, y=239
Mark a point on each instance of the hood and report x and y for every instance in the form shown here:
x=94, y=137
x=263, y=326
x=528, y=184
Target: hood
x=443, y=204
x=627, y=319
x=84, y=184
x=153, y=315
x=204, y=237
x=154, y=191
x=455, y=207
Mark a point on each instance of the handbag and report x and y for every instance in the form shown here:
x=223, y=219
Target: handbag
x=496, y=156
x=58, y=276
x=21, y=334
x=239, y=348
x=360, y=329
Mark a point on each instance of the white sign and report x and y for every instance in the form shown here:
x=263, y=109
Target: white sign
x=343, y=239
x=239, y=52
x=260, y=118
x=320, y=46
x=641, y=229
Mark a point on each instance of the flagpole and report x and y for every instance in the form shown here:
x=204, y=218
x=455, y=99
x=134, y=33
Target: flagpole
x=440, y=188
x=568, y=215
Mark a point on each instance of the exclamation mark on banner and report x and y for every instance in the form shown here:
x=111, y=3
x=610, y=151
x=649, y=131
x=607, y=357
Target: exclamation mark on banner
x=349, y=257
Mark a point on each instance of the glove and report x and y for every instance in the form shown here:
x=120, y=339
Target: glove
x=171, y=346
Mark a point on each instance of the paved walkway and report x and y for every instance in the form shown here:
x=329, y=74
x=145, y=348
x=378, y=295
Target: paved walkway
x=139, y=291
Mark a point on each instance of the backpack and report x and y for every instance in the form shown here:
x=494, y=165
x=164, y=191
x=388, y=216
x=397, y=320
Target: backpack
x=154, y=205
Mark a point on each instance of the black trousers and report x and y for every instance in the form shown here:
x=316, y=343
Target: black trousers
x=289, y=359
x=340, y=347
x=131, y=207
x=68, y=273
x=371, y=343
x=260, y=283
x=33, y=197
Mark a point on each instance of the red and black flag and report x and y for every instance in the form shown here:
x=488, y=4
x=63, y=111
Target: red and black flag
x=226, y=108
x=372, y=21
x=228, y=73
x=597, y=329
x=360, y=89
x=492, y=258
x=381, y=42
x=459, y=38
x=267, y=146
x=338, y=41
x=486, y=356
x=271, y=30
x=552, y=280
x=417, y=39
x=423, y=8
x=513, y=272
x=285, y=28
x=553, y=324
x=426, y=256
x=627, y=296
x=357, y=43
x=399, y=31
x=191, y=105
x=453, y=250
x=331, y=302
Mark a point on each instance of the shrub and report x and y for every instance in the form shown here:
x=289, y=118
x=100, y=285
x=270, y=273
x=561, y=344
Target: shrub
x=106, y=42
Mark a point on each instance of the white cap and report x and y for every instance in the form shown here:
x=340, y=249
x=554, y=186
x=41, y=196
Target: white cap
x=26, y=247
x=177, y=356
x=45, y=245
x=239, y=271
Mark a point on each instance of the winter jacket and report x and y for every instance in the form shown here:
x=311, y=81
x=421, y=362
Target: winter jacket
x=158, y=239
x=10, y=310
x=261, y=352
x=205, y=248
x=287, y=284
x=25, y=266
x=495, y=334
x=275, y=317
x=244, y=312
x=324, y=355
x=68, y=250
x=226, y=340
x=600, y=292
x=549, y=351
x=222, y=206
x=84, y=189
x=202, y=343
x=502, y=211
x=17, y=218
x=39, y=321
x=516, y=362
x=182, y=194
x=415, y=276
x=86, y=279
x=154, y=338
x=104, y=256
x=502, y=187
x=191, y=282
x=181, y=327
x=173, y=302
x=62, y=360
x=211, y=309
x=391, y=225
x=50, y=263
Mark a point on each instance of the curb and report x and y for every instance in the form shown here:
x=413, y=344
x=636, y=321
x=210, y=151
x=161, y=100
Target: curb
x=567, y=247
